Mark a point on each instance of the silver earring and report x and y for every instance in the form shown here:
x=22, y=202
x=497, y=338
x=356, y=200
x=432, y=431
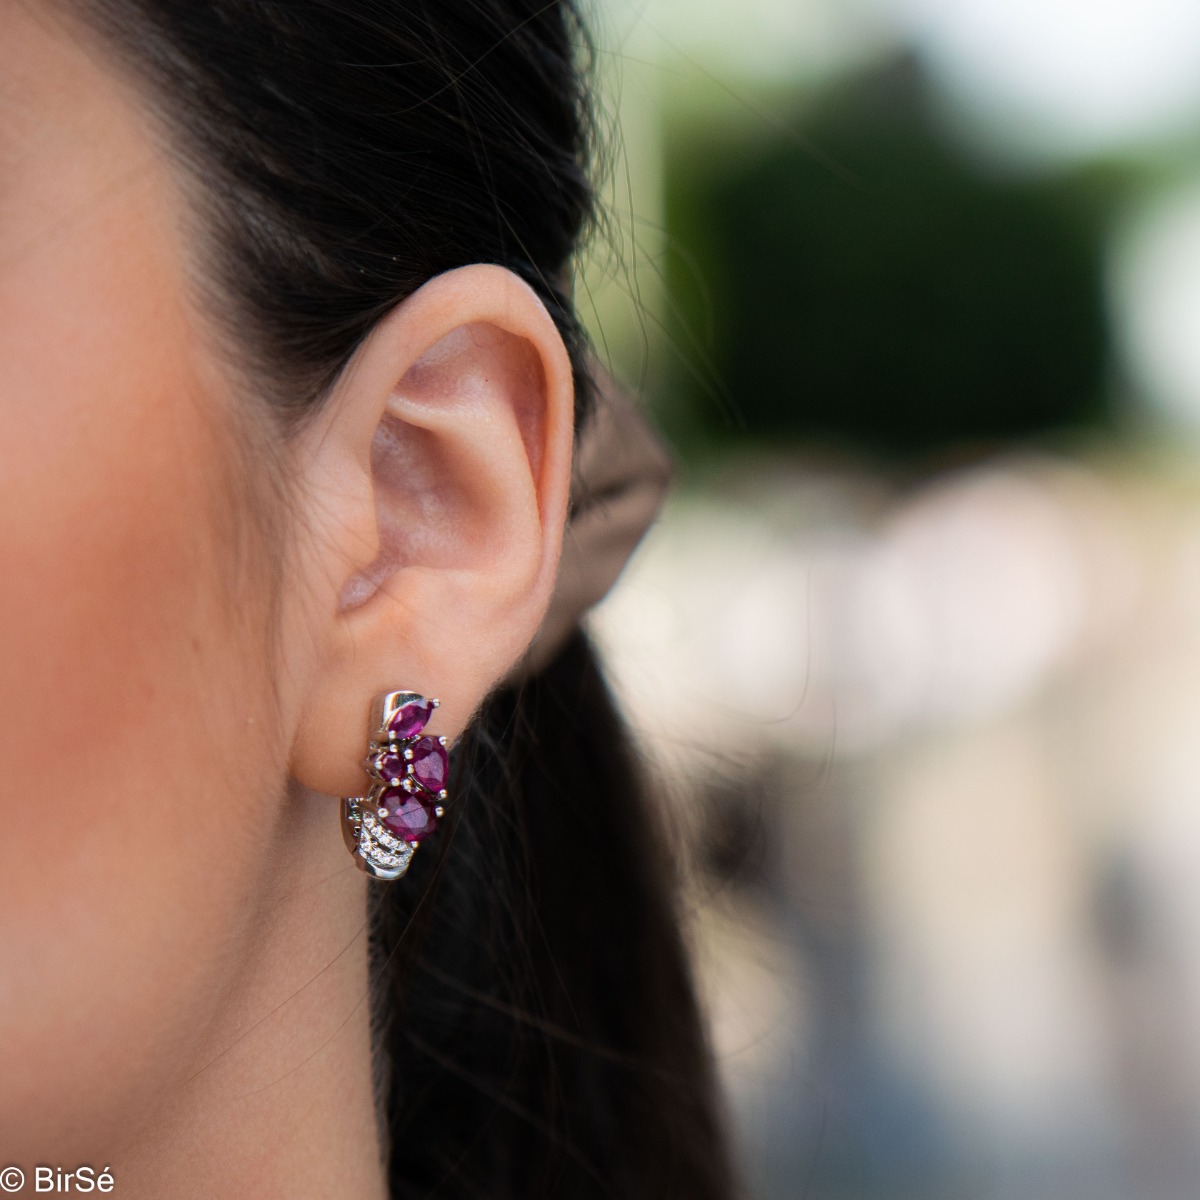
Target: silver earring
x=383, y=828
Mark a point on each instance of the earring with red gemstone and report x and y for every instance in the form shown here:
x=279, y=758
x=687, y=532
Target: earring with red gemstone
x=383, y=829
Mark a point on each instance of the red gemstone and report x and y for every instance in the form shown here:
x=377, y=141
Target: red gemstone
x=389, y=764
x=430, y=765
x=409, y=719
x=408, y=816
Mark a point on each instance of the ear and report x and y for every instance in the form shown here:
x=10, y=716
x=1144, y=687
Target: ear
x=434, y=488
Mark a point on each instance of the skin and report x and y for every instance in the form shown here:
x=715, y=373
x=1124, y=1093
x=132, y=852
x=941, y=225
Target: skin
x=182, y=945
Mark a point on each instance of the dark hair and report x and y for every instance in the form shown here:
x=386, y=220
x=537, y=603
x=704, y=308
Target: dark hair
x=536, y=1028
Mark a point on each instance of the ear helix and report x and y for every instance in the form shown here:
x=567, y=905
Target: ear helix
x=383, y=829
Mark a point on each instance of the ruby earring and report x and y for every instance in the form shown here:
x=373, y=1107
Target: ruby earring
x=409, y=771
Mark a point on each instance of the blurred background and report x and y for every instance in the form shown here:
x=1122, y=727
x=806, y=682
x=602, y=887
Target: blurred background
x=913, y=288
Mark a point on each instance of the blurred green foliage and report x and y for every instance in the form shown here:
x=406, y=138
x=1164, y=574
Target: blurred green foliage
x=847, y=276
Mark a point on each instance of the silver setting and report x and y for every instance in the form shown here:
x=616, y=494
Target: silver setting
x=376, y=851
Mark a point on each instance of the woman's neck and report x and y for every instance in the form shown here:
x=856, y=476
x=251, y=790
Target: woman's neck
x=281, y=1104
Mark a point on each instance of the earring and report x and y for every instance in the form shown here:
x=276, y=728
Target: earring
x=383, y=829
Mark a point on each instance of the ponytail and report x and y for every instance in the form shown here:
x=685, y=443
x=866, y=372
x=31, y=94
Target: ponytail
x=535, y=1000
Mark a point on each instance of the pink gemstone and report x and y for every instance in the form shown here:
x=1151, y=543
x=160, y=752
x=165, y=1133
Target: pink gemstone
x=430, y=765
x=408, y=816
x=409, y=719
x=389, y=765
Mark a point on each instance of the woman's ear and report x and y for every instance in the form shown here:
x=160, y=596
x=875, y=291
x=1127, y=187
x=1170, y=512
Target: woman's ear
x=434, y=494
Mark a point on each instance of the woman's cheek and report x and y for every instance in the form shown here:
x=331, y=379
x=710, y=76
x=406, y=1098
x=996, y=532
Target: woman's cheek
x=134, y=682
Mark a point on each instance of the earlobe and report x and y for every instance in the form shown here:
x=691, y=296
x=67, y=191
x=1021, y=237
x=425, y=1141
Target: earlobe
x=438, y=486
